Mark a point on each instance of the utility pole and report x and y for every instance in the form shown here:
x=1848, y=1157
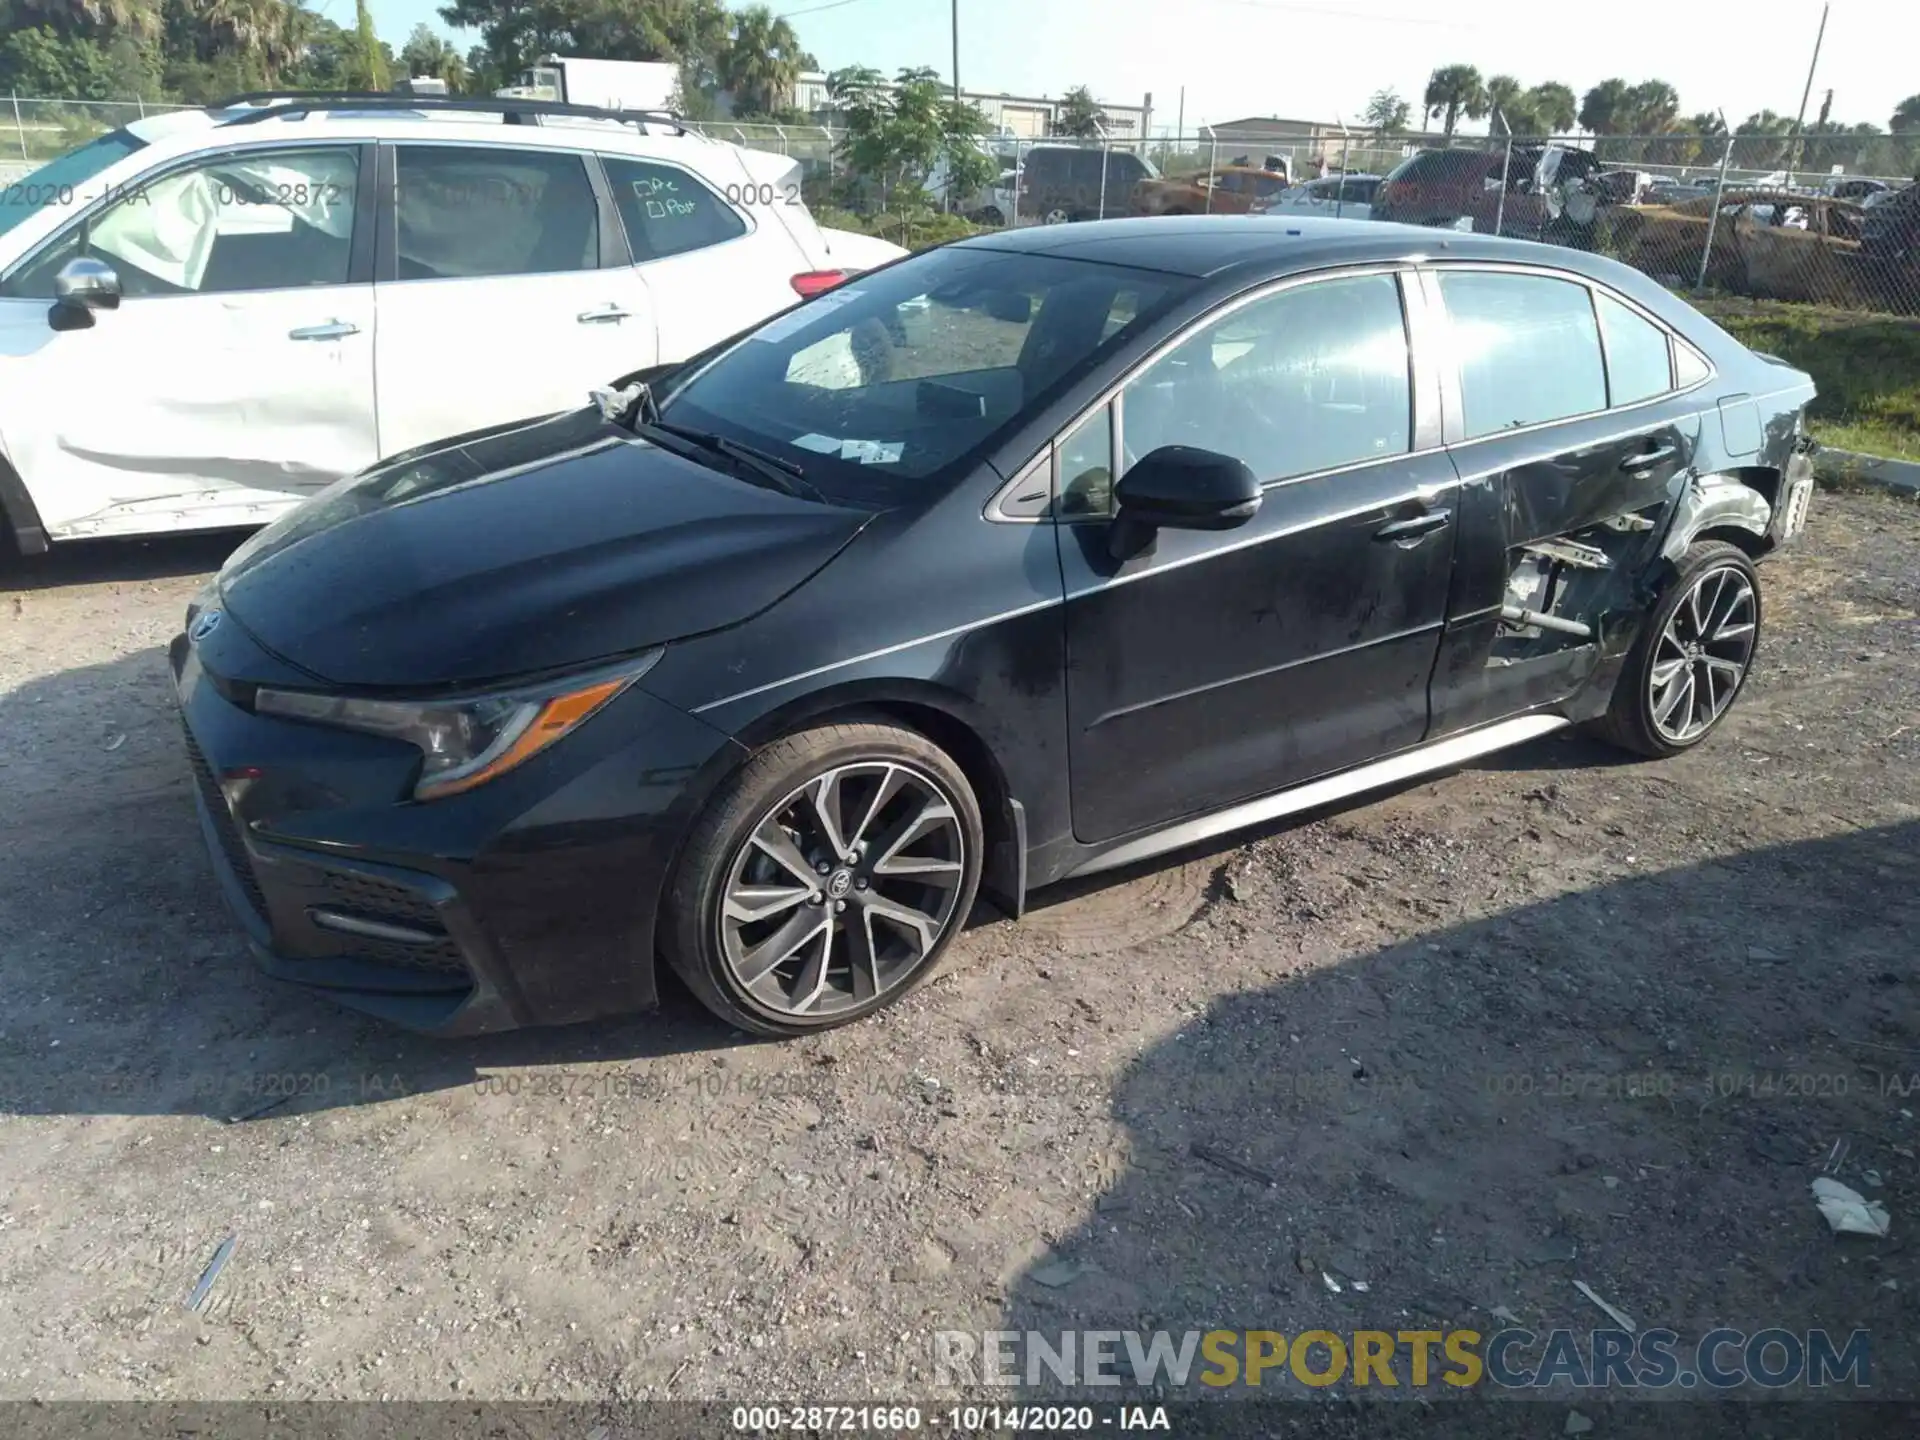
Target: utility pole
x=956, y=52
x=1800, y=122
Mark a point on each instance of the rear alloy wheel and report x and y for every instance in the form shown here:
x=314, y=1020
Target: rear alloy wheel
x=1056, y=216
x=827, y=879
x=1692, y=657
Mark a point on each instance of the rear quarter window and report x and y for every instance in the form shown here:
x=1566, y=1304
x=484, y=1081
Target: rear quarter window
x=666, y=210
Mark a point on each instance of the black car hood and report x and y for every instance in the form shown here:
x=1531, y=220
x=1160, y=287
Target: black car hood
x=520, y=549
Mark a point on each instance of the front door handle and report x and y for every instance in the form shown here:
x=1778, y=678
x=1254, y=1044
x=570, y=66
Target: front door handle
x=602, y=315
x=1406, y=531
x=332, y=330
x=1650, y=457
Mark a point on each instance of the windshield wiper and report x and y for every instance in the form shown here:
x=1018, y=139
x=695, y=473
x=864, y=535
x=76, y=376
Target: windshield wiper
x=783, y=475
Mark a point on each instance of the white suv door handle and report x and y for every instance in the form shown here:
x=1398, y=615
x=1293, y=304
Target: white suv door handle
x=605, y=312
x=332, y=330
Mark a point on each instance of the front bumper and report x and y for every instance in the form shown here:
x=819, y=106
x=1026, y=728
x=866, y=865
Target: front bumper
x=529, y=901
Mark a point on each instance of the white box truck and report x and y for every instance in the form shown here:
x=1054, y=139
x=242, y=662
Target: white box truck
x=610, y=84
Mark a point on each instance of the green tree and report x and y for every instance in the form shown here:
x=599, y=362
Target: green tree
x=1762, y=141
x=1652, y=108
x=370, y=60
x=1504, y=99
x=1387, y=112
x=1079, y=115
x=1701, y=140
x=1453, y=91
x=428, y=53
x=763, y=60
x=895, y=136
x=1552, y=107
x=693, y=33
x=1607, y=107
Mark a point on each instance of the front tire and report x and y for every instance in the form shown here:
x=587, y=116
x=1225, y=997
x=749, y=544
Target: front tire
x=826, y=878
x=1692, y=657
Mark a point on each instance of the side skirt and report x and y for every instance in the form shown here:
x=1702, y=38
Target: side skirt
x=1442, y=755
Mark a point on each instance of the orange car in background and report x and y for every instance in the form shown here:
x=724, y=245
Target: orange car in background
x=1233, y=188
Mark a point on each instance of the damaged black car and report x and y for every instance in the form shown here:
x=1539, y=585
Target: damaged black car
x=1035, y=555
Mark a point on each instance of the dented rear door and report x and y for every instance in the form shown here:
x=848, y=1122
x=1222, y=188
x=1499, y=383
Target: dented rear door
x=1558, y=511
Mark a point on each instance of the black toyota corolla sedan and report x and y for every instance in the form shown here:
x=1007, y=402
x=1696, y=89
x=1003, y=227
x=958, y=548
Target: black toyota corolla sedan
x=1036, y=554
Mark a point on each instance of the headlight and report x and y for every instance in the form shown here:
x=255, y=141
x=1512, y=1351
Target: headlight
x=466, y=742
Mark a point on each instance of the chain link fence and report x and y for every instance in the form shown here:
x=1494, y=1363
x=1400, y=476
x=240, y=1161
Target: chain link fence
x=1769, y=217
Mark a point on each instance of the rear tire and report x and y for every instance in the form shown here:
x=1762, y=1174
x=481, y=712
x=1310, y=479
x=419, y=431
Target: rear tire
x=1692, y=658
x=825, y=879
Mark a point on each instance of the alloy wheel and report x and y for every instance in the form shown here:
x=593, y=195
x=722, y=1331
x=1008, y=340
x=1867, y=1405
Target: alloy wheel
x=842, y=889
x=1702, y=655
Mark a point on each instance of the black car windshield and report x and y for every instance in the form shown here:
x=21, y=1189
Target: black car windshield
x=54, y=182
x=888, y=388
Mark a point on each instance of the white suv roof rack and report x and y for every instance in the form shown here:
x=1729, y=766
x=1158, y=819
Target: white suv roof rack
x=260, y=105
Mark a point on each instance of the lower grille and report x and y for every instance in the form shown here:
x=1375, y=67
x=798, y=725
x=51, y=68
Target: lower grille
x=365, y=898
x=442, y=957
x=225, y=829
x=373, y=899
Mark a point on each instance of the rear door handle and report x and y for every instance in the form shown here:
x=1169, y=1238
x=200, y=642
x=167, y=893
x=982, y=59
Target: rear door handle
x=332, y=330
x=1650, y=457
x=602, y=315
x=1415, y=527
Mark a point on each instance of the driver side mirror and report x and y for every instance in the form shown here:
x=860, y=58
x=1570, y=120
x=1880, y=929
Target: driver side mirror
x=87, y=284
x=1180, y=487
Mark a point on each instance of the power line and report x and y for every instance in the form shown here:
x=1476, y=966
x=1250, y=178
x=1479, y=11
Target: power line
x=1325, y=12
x=816, y=9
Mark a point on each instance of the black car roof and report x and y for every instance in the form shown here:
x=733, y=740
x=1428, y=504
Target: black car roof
x=1206, y=246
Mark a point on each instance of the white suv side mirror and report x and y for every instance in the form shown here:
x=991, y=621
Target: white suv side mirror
x=87, y=284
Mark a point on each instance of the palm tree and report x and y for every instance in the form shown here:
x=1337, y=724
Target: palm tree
x=1652, y=107
x=1504, y=101
x=762, y=62
x=1453, y=91
x=1707, y=137
x=1606, y=107
x=1552, y=105
x=1764, y=139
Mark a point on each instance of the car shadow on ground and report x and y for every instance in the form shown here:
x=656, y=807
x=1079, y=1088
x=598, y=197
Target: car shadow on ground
x=141, y=996
x=1363, y=1146
x=92, y=562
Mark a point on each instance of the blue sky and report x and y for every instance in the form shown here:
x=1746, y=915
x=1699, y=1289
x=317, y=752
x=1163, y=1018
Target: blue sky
x=1320, y=59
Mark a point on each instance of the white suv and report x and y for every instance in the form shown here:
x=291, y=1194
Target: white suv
x=209, y=315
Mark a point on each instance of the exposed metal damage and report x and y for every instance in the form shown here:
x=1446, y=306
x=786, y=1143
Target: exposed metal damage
x=1568, y=591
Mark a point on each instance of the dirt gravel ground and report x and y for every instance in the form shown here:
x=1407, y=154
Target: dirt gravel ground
x=1558, y=1017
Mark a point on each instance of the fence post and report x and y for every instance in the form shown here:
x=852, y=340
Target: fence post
x=1019, y=174
x=1213, y=164
x=1106, y=160
x=1506, y=166
x=1340, y=185
x=141, y=102
x=1713, y=220
x=19, y=125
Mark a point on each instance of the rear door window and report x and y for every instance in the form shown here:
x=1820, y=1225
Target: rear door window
x=469, y=211
x=1528, y=348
